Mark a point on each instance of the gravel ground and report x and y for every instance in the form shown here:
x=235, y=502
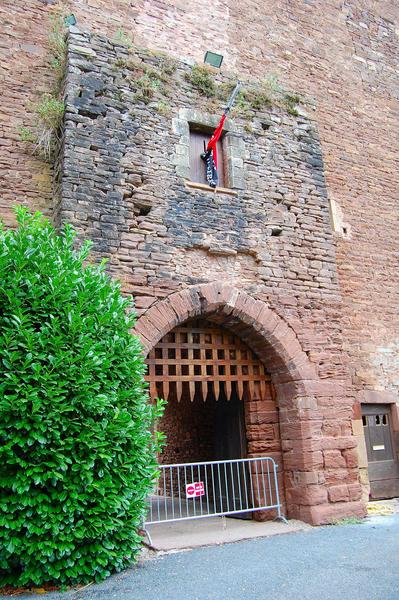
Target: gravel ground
x=343, y=562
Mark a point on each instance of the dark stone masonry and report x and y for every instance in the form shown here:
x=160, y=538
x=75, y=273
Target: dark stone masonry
x=264, y=246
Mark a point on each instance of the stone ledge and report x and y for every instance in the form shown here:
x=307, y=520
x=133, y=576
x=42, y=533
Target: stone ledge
x=377, y=397
x=205, y=188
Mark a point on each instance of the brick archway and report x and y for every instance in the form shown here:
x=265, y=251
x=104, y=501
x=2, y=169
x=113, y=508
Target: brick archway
x=305, y=444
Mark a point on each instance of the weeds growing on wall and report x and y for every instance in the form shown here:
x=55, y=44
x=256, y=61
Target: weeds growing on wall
x=122, y=38
x=148, y=82
x=49, y=110
x=57, y=49
x=202, y=80
x=156, y=82
x=48, y=117
x=268, y=92
x=163, y=108
x=291, y=102
x=78, y=457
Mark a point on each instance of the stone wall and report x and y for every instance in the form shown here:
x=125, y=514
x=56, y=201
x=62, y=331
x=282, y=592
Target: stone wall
x=188, y=427
x=124, y=185
x=343, y=54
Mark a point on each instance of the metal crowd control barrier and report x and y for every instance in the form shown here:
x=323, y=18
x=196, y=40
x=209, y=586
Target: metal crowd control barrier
x=209, y=489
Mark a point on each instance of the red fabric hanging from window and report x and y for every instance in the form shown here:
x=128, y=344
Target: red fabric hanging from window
x=214, y=140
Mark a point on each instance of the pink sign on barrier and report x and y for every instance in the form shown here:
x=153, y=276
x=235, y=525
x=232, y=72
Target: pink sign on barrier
x=193, y=490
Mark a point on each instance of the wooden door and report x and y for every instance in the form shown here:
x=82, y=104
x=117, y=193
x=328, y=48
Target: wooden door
x=383, y=466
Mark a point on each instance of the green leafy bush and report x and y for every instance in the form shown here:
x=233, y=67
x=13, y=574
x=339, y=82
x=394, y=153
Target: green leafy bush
x=77, y=453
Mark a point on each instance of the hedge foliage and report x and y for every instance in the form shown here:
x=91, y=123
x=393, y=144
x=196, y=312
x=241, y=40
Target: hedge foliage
x=77, y=453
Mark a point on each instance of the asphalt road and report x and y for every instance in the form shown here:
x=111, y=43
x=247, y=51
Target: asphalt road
x=343, y=562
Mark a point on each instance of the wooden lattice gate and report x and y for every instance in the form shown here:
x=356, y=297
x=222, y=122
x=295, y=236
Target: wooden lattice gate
x=201, y=358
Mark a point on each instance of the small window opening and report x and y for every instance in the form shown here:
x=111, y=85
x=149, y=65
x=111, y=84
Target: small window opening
x=199, y=138
x=144, y=211
x=384, y=420
x=377, y=420
x=364, y=421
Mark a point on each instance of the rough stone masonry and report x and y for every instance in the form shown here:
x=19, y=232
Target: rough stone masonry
x=124, y=185
x=344, y=54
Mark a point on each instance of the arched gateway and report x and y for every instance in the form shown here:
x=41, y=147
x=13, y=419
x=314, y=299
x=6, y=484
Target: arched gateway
x=300, y=438
x=221, y=402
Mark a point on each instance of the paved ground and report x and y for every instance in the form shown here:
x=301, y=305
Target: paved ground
x=216, y=530
x=350, y=562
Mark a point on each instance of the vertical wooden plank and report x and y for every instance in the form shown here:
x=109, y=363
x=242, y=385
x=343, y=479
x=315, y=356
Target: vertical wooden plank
x=251, y=382
x=165, y=374
x=179, y=386
x=204, y=384
x=262, y=384
x=191, y=383
x=165, y=389
x=153, y=389
x=240, y=388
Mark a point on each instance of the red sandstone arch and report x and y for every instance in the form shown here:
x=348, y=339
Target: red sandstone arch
x=261, y=328
x=298, y=387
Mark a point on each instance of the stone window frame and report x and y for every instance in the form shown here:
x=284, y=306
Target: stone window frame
x=234, y=147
